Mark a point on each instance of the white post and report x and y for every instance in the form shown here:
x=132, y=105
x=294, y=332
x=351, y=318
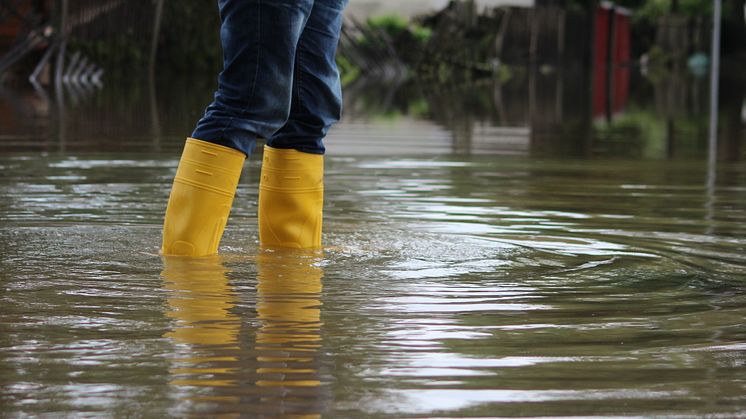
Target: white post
x=713, y=138
x=714, y=79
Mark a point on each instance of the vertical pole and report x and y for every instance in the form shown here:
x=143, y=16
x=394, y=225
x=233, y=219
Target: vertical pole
x=62, y=34
x=714, y=80
x=62, y=39
x=156, y=35
x=713, y=137
x=155, y=118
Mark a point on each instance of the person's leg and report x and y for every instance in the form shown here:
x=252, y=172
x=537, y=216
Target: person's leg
x=291, y=193
x=253, y=99
x=317, y=91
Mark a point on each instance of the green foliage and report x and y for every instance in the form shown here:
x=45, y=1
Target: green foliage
x=419, y=107
x=504, y=74
x=406, y=36
x=421, y=34
x=391, y=24
x=349, y=72
x=121, y=57
x=657, y=58
x=651, y=10
x=639, y=131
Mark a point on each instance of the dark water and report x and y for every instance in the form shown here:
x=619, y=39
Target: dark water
x=474, y=266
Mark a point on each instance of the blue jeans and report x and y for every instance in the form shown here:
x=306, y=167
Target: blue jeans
x=279, y=80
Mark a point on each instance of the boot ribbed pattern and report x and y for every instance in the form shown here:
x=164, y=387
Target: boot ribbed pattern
x=201, y=198
x=291, y=199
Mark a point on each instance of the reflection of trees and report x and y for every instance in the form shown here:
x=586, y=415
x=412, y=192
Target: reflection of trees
x=667, y=118
x=551, y=106
x=663, y=116
x=546, y=103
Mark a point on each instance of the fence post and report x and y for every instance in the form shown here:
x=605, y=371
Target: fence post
x=713, y=138
x=156, y=36
x=62, y=40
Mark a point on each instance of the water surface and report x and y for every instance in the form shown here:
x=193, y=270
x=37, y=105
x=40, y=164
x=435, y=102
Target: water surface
x=450, y=285
x=496, y=249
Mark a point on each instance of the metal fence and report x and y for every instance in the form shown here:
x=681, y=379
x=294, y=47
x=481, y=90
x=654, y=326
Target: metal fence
x=77, y=41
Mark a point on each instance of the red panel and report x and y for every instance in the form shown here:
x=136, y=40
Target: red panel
x=620, y=58
x=621, y=61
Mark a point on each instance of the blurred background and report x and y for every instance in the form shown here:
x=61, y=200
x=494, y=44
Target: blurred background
x=540, y=78
x=534, y=208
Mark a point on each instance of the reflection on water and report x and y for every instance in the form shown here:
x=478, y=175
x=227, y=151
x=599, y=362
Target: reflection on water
x=452, y=286
x=209, y=364
x=468, y=271
x=288, y=341
x=200, y=302
x=538, y=112
x=288, y=305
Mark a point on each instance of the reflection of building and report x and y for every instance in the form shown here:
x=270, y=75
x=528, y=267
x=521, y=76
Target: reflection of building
x=454, y=124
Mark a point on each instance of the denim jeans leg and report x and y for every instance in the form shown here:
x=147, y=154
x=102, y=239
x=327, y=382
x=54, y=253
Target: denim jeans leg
x=317, y=92
x=253, y=99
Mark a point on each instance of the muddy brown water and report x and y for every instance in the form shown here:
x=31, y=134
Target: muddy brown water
x=462, y=275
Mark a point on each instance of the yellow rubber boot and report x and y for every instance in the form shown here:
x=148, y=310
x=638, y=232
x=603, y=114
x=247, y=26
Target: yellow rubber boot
x=291, y=199
x=201, y=198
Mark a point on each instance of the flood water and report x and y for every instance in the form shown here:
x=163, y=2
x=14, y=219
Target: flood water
x=483, y=257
